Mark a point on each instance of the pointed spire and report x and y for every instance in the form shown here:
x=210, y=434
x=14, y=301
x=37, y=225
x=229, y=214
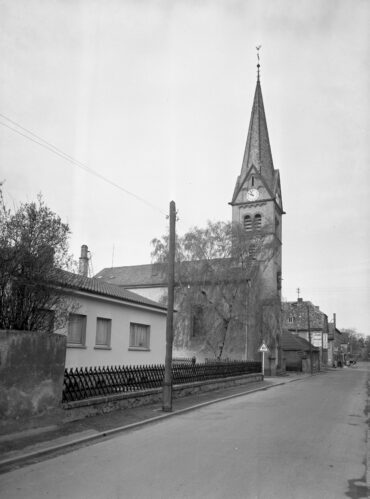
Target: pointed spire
x=257, y=150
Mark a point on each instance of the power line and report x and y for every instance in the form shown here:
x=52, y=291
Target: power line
x=37, y=139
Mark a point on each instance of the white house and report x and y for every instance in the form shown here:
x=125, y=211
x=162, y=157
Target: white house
x=113, y=326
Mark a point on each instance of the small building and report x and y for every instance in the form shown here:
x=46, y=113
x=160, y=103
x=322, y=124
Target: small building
x=337, y=347
x=297, y=353
x=306, y=320
x=112, y=326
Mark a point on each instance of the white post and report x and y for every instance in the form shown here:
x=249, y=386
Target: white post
x=263, y=363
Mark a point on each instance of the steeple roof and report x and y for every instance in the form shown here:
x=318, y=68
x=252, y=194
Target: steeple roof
x=257, y=150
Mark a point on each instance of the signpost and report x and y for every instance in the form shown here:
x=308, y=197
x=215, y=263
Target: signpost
x=263, y=348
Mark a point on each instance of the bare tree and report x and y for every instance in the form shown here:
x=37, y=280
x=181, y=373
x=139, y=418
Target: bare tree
x=218, y=281
x=33, y=254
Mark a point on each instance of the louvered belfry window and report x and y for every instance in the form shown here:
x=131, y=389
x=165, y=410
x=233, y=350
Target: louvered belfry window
x=257, y=221
x=247, y=223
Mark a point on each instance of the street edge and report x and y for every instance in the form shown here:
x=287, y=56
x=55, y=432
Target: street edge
x=101, y=435
x=368, y=437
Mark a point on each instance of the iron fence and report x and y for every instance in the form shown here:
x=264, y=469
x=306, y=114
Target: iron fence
x=87, y=382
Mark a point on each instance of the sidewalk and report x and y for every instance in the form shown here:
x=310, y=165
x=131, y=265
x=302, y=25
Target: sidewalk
x=50, y=435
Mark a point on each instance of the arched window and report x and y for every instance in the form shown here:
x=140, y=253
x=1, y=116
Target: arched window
x=197, y=326
x=257, y=224
x=247, y=223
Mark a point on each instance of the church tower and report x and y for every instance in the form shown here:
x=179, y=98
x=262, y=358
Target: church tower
x=257, y=207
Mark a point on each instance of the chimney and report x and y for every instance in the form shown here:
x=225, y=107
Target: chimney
x=300, y=300
x=83, y=266
x=335, y=320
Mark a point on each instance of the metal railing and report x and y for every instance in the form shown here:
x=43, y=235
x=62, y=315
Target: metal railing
x=88, y=382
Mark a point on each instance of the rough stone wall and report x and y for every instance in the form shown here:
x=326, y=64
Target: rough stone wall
x=31, y=372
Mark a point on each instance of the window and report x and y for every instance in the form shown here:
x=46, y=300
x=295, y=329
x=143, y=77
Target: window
x=290, y=319
x=252, y=181
x=76, y=330
x=277, y=224
x=278, y=280
x=103, y=329
x=197, y=324
x=247, y=223
x=252, y=251
x=139, y=336
x=257, y=224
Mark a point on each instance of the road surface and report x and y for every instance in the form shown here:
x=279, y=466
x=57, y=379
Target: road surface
x=305, y=439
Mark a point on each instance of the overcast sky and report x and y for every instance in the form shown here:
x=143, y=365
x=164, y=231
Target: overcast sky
x=156, y=96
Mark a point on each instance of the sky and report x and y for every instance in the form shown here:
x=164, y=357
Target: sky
x=156, y=96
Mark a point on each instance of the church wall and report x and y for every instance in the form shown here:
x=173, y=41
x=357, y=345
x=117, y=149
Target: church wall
x=201, y=336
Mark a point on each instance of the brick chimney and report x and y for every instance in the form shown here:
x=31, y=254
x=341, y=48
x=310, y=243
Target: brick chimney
x=83, y=266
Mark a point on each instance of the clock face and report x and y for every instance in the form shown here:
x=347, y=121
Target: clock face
x=253, y=195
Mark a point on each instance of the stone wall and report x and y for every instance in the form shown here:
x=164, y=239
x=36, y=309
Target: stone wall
x=31, y=373
x=100, y=405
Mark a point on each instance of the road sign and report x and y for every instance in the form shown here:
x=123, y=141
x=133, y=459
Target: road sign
x=263, y=348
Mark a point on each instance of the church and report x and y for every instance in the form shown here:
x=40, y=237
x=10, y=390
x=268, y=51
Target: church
x=257, y=208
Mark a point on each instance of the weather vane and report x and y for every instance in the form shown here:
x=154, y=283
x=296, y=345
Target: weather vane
x=258, y=59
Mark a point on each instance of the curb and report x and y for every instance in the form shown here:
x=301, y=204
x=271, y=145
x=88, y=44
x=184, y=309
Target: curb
x=367, y=472
x=78, y=441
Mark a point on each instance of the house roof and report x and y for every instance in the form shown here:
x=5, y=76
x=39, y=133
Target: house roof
x=99, y=287
x=335, y=334
x=292, y=342
x=135, y=275
x=155, y=275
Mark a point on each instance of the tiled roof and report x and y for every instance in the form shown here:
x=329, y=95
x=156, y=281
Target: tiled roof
x=155, y=275
x=335, y=334
x=100, y=287
x=333, y=329
x=290, y=341
x=135, y=275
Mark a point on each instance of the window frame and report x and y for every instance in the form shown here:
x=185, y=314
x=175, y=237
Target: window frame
x=107, y=345
x=257, y=221
x=133, y=341
x=81, y=344
x=248, y=223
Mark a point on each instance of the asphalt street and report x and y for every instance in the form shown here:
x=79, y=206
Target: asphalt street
x=306, y=439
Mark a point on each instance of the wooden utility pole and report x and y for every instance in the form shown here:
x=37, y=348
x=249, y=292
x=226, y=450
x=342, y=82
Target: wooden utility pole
x=167, y=382
x=309, y=336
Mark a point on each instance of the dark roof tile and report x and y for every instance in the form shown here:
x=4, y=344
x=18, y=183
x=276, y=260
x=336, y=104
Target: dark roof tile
x=100, y=287
x=290, y=341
